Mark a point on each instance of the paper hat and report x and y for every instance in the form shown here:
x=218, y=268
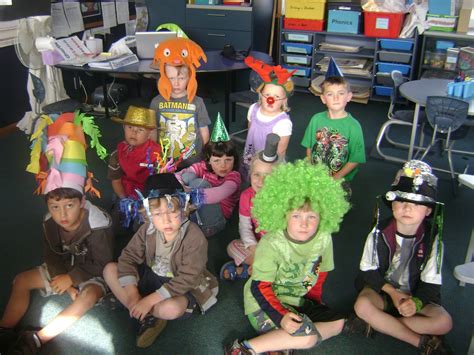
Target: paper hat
x=162, y=184
x=270, y=154
x=269, y=74
x=178, y=52
x=58, y=152
x=219, y=132
x=333, y=69
x=415, y=183
x=138, y=116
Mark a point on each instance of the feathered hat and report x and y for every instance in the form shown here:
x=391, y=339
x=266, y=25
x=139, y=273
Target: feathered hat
x=58, y=152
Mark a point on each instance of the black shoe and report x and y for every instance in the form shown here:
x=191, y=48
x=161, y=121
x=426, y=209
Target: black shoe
x=149, y=330
x=355, y=325
x=27, y=343
x=434, y=344
x=8, y=336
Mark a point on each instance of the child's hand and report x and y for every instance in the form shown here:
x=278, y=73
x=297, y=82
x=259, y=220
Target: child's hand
x=142, y=308
x=73, y=292
x=61, y=283
x=407, y=307
x=291, y=322
x=398, y=297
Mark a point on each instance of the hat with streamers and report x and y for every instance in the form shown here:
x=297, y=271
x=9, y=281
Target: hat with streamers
x=219, y=132
x=58, y=152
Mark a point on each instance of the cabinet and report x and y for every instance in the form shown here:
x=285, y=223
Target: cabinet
x=433, y=53
x=301, y=50
x=215, y=26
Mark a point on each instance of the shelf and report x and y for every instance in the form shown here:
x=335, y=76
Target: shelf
x=450, y=35
x=364, y=53
x=427, y=67
x=337, y=34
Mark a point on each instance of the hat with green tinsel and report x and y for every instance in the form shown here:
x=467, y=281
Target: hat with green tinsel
x=219, y=132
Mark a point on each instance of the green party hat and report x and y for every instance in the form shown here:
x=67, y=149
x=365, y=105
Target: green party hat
x=219, y=132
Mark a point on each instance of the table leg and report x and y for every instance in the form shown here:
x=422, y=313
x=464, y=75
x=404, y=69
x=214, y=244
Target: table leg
x=413, y=131
x=227, y=86
x=106, y=99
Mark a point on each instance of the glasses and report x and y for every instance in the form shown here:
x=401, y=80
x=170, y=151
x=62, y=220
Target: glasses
x=166, y=215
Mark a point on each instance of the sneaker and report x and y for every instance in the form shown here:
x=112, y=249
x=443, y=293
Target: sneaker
x=238, y=348
x=28, y=343
x=149, y=330
x=434, y=344
x=355, y=325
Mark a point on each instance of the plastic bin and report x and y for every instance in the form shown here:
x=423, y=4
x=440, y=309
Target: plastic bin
x=301, y=82
x=383, y=24
x=397, y=57
x=396, y=44
x=300, y=71
x=298, y=37
x=384, y=79
x=297, y=59
x=305, y=9
x=383, y=90
x=343, y=21
x=389, y=67
x=298, y=48
x=303, y=24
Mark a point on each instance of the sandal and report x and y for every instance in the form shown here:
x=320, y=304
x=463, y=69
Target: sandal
x=233, y=271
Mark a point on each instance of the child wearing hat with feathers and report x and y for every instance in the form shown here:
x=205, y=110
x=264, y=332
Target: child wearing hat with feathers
x=134, y=159
x=400, y=269
x=161, y=274
x=216, y=179
x=78, y=239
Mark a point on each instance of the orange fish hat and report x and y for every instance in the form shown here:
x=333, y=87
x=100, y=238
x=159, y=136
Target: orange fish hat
x=177, y=52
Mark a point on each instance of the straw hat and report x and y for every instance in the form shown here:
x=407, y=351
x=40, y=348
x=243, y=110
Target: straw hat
x=138, y=116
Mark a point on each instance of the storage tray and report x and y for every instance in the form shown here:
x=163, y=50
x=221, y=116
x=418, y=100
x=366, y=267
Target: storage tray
x=396, y=44
x=383, y=79
x=397, y=57
x=297, y=59
x=298, y=37
x=389, y=67
x=299, y=48
x=300, y=71
x=383, y=90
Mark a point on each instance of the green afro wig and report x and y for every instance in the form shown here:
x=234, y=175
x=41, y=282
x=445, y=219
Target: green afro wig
x=292, y=185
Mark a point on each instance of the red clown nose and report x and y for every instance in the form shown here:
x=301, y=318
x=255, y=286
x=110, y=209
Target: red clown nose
x=270, y=100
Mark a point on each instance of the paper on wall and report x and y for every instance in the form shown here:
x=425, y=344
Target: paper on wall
x=123, y=14
x=108, y=14
x=74, y=16
x=60, y=26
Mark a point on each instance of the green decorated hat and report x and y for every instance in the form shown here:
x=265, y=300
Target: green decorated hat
x=219, y=132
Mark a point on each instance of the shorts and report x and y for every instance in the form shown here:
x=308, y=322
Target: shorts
x=149, y=282
x=48, y=291
x=317, y=312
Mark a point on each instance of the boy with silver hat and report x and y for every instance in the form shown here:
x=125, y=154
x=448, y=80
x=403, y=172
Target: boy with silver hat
x=400, y=270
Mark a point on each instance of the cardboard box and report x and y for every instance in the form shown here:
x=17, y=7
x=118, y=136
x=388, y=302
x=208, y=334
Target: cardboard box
x=466, y=16
x=305, y=9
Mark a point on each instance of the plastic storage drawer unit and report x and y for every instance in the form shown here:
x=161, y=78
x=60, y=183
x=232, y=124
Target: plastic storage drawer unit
x=297, y=59
x=389, y=67
x=384, y=79
x=298, y=48
x=298, y=37
x=397, y=57
x=395, y=44
x=383, y=90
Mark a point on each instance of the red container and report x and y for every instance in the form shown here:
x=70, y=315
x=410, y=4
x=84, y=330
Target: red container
x=383, y=24
x=303, y=24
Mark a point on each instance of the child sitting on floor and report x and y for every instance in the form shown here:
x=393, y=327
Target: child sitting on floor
x=217, y=179
x=78, y=239
x=242, y=250
x=132, y=162
x=400, y=270
x=270, y=113
x=299, y=206
x=161, y=274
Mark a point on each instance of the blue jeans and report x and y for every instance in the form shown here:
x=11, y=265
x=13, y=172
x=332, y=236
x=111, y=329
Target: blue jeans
x=208, y=217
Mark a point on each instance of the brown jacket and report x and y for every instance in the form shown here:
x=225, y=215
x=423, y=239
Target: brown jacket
x=188, y=263
x=89, y=251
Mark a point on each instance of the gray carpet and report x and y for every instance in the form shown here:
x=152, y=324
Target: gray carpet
x=105, y=331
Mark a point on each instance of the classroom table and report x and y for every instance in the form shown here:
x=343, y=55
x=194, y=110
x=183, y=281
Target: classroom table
x=216, y=63
x=417, y=91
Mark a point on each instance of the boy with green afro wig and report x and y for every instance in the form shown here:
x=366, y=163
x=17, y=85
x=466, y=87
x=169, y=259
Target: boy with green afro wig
x=299, y=206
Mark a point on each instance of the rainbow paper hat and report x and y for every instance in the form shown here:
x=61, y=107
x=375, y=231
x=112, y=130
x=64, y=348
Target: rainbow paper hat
x=58, y=152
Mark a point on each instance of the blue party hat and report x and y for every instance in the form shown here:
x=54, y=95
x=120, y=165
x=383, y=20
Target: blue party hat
x=333, y=69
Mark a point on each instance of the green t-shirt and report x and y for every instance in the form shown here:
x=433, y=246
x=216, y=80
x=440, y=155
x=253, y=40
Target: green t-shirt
x=335, y=142
x=292, y=267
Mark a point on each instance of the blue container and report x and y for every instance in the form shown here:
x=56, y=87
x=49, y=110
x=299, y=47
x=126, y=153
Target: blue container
x=208, y=2
x=444, y=44
x=300, y=71
x=342, y=21
x=389, y=67
x=298, y=48
x=383, y=90
x=396, y=44
x=441, y=7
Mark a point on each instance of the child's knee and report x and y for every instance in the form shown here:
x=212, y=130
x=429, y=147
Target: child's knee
x=27, y=278
x=310, y=341
x=444, y=322
x=110, y=270
x=89, y=295
x=363, y=306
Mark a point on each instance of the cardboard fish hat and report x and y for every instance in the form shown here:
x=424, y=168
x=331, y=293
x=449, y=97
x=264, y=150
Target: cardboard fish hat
x=58, y=152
